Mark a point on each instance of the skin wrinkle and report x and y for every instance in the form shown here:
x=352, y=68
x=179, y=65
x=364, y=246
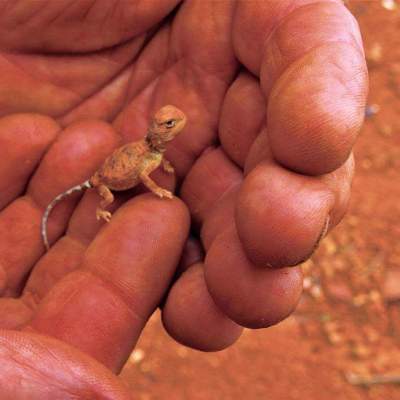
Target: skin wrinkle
x=114, y=10
x=275, y=23
x=107, y=82
x=115, y=290
x=155, y=67
x=313, y=50
x=290, y=14
x=109, y=101
x=107, y=16
x=21, y=21
x=53, y=109
x=38, y=375
x=75, y=373
x=30, y=299
x=33, y=374
x=31, y=75
x=340, y=76
x=124, y=24
x=326, y=43
x=52, y=20
x=89, y=9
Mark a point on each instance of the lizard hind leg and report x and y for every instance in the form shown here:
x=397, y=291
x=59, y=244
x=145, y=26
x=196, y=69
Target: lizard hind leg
x=107, y=199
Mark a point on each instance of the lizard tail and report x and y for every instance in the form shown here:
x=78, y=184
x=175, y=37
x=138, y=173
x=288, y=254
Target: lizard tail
x=54, y=202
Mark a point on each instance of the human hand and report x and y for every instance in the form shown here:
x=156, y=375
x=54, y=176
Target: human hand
x=308, y=76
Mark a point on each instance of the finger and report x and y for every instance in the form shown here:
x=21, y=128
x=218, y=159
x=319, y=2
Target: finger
x=102, y=308
x=242, y=116
x=251, y=296
x=316, y=87
x=191, y=317
x=281, y=216
x=211, y=176
x=51, y=369
x=24, y=138
x=75, y=155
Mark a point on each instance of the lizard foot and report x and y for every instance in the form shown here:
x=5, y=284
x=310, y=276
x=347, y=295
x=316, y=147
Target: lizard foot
x=102, y=214
x=161, y=193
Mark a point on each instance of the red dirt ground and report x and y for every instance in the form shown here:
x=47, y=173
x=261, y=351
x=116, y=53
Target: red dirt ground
x=348, y=321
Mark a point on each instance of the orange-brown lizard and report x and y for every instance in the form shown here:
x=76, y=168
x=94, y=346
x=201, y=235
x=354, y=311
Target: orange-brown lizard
x=130, y=164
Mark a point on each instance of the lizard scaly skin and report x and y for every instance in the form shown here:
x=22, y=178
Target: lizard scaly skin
x=130, y=164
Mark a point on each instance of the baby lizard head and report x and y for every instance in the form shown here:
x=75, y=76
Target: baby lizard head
x=167, y=122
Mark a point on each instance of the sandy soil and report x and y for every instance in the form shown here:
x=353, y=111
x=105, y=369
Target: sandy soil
x=347, y=326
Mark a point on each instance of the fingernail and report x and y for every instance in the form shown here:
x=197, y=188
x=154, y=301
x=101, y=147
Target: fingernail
x=323, y=232
x=3, y=279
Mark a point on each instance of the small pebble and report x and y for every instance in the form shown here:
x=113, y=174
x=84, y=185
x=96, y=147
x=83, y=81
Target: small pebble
x=316, y=291
x=330, y=246
x=366, y=163
x=335, y=338
x=371, y=110
x=137, y=356
x=360, y=300
x=371, y=334
x=385, y=130
x=325, y=318
x=389, y=4
x=374, y=54
x=375, y=296
x=307, y=283
x=361, y=351
x=330, y=326
x=182, y=352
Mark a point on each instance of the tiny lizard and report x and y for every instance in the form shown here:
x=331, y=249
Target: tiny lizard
x=129, y=165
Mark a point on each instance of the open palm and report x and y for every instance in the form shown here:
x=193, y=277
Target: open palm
x=274, y=93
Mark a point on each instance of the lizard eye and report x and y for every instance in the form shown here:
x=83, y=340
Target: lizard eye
x=170, y=123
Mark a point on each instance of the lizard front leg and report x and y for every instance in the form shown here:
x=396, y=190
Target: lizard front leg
x=107, y=199
x=151, y=185
x=166, y=166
